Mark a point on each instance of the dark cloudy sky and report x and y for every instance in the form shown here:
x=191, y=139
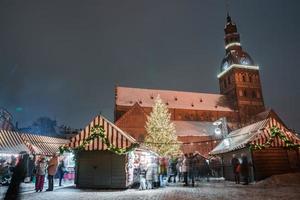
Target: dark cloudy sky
x=62, y=58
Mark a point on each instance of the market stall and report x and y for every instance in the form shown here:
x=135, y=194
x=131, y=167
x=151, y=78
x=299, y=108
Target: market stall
x=270, y=147
x=105, y=162
x=12, y=143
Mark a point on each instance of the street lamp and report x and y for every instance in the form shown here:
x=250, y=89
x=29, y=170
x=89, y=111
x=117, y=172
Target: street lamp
x=221, y=127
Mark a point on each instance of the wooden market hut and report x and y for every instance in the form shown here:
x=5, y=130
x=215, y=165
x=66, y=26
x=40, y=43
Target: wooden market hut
x=272, y=159
x=97, y=167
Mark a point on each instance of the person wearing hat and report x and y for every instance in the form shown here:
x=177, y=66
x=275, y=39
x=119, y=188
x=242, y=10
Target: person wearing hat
x=52, y=167
x=40, y=173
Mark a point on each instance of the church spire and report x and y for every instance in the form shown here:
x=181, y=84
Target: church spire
x=232, y=37
x=234, y=54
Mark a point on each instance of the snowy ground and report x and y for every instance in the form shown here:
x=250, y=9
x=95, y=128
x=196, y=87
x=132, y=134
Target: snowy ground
x=282, y=187
x=203, y=191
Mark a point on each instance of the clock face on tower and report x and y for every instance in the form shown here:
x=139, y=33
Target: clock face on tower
x=244, y=61
x=225, y=65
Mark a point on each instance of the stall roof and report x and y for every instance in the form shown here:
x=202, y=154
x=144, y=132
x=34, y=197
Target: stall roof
x=11, y=142
x=42, y=144
x=256, y=133
x=15, y=142
x=114, y=134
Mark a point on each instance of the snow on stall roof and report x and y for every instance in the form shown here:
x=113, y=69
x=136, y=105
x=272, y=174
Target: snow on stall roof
x=127, y=96
x=240, y=137
x=194, y=128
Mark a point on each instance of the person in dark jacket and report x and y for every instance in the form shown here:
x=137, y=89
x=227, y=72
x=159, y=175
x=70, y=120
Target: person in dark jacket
x=235, y=163
x=172, y=170
x=245, y=169
x=185, y=166
x=18, y=176
x=61, y=170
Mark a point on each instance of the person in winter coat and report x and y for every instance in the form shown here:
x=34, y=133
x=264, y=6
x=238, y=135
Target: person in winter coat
x=40, y=172
x=61, y=170
x=143, y=185
x=185, y=166
x=149, y=176
x=19, y=173
x=163, y=169
x=179, y=167
x=192, y=167
x=52, y=167
x=235, y=163
x=173, y=170
x=245, y=169
x=155, y=173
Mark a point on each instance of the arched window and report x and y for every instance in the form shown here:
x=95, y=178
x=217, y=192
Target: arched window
x=250, y=78
x=244, y=78
x=257, y=94
x=229, y=81
x=245, y=93
x=253, y=94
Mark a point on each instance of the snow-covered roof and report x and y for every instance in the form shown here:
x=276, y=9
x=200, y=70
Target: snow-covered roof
x=114, y=134
x=240, y=137
x=126, y=96
x=256, y=133
x=194, y=128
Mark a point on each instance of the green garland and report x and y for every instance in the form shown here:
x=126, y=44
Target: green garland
x=275, y=131
x=97, y=132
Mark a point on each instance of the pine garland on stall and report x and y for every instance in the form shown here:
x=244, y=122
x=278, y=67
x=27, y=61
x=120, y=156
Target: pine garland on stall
x=161, y=134
x=275, y=132
x=97, y=132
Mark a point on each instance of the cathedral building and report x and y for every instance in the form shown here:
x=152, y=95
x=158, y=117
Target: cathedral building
x=193, y=113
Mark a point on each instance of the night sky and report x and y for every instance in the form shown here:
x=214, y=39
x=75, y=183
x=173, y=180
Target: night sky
x=62, y=59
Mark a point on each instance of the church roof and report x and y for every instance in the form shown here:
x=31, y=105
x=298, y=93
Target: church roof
x=126, y=96
x=194, y=128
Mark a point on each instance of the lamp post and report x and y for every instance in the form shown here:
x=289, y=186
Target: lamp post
x=221, y=127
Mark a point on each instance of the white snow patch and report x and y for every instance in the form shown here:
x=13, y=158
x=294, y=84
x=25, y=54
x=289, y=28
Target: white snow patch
x=281, y=180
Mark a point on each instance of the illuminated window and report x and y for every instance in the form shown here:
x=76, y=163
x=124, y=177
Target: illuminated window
x=240, y=93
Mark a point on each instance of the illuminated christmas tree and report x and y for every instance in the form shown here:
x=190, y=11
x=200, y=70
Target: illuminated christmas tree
x=161, y=134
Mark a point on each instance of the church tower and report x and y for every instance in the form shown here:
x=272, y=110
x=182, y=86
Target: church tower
x=239, y=76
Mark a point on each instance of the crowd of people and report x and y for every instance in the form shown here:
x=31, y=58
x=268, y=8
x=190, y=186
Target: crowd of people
x=52, y=167
x=189, y=168
x=6, y=169
x=186, y=168
x=22, y=167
